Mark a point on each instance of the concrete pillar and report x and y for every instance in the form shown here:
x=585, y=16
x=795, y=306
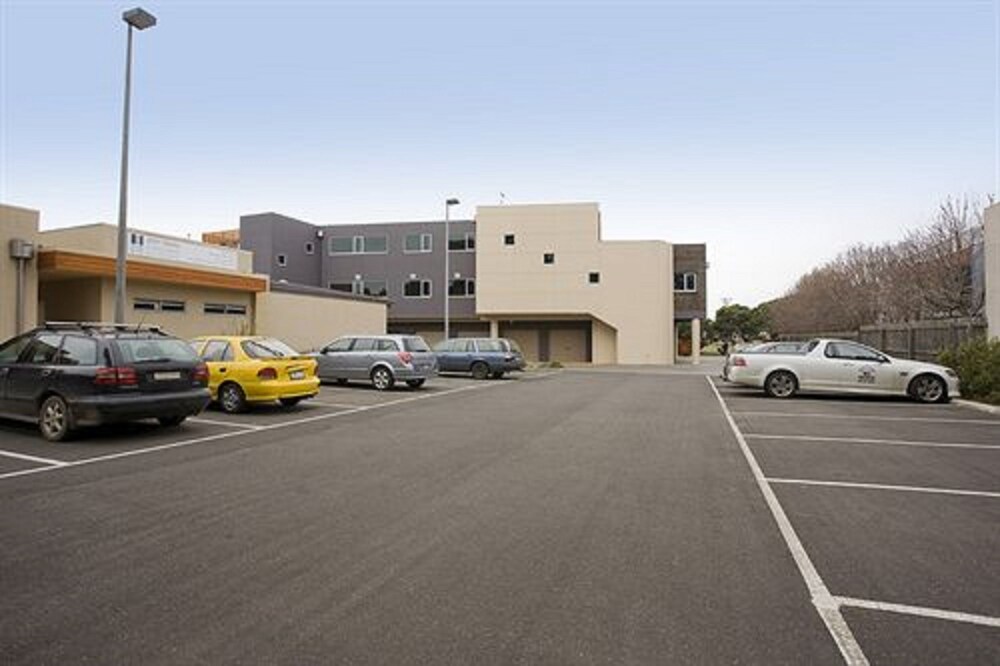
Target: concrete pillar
x=696, y=341
x=494, y=328
x=991, y=260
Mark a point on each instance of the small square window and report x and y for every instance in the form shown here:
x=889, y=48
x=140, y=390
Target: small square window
x=310, y=248
x=549, y=258
x=281, y=260
x=594, y=277
x=508, y=239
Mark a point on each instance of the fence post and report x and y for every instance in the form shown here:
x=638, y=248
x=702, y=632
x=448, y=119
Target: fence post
x=883, y=337
x=911, y=341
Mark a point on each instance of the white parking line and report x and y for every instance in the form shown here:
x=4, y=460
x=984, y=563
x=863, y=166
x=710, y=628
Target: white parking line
x=24, y=456
x=334, y=404
x=236, y=433
x=198, y=419
x=859, y=417
x=922, y=611
x=864, y=440
x=826, y=605
x=884, y=486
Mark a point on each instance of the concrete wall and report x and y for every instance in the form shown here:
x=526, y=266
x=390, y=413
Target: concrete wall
x=269, y=234
x=21, y=223
x=634, y=296
x=992, y=262
x=71, y=300
x=308, y=322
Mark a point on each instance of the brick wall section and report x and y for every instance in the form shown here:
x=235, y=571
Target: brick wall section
x=690, y=258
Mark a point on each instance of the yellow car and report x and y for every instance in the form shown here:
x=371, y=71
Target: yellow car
x=254, y=369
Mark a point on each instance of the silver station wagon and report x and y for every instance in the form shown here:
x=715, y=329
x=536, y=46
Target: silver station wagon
x=380, y=359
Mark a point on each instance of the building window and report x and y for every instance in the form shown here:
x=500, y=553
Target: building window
x=346, y=287
x=144, y=304
x=359, y=245
x=172, y=306
x=508, y=239
x=417, y=289
x=225, y=308
x=463, y=242
x=462, y=288
x=415, y=243
x=686, y=282
x=310, y=247
x=549, y=258
x=594, y=277
x=372, y=288
x=281, y=259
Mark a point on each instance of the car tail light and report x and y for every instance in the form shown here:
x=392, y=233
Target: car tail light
x=406, y=357
x=508, y=357
x=265, y=374
x=739, y=362
x=120, y=376
x=200, y=374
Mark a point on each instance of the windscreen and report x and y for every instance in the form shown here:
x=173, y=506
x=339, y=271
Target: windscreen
x=267, y=348
x=155, y=350
x=415, y=344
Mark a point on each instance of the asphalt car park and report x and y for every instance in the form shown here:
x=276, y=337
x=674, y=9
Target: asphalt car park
x=896, y=505
x=584, y=516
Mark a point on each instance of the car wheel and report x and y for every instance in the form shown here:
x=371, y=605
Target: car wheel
x=781, y=384
x=55, y=421
x=232, y=399
x=171, y=421
x=382, y=379
x=289, y=402
x=497, y=375
x=480, y=370
x=928, y=388
x=415, y=383
x=341, y=382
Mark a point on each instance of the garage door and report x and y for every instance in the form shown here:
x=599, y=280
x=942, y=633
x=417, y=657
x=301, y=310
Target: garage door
x=568, y=345
x=527, y=340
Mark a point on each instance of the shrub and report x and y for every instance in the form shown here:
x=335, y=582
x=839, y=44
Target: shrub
x=977, y=363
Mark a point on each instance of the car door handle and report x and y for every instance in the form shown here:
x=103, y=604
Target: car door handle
x=47, y=372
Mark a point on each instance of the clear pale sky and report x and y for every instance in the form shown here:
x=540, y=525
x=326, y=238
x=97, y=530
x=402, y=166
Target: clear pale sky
x=777, y=132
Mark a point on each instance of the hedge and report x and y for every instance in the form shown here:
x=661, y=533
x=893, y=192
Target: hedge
x=977, y=363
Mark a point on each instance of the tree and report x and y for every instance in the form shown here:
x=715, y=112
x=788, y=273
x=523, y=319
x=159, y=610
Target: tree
x=738, y=322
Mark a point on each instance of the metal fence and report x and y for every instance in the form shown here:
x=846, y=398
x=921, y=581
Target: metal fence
x=919, y=340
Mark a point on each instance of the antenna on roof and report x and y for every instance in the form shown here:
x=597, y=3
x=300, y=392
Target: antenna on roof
x=503, y=198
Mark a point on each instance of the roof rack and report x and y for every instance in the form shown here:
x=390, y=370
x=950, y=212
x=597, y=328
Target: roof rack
x=102, y=326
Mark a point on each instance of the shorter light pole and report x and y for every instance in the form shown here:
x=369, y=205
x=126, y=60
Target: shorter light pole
x=447, y=261
x=139, y=19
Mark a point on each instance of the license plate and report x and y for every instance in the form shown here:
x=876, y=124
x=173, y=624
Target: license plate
x=166, y=376
x=297, y=374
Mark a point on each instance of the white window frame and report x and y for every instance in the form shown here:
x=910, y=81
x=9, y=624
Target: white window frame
x=426, y=243
x=467, y=281
x=465, y=238
x=310, y=247
x=422, y=281
x=281, y=259
x=694, y=283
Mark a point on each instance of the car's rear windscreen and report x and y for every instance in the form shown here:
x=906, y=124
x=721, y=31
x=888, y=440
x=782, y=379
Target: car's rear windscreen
x=267, y=348
x=155, y=350
x=415, y=344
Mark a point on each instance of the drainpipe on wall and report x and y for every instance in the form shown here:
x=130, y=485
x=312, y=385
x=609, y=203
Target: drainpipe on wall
x=22, y=252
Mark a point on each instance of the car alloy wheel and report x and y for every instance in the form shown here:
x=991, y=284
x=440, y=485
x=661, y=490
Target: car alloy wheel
x=54, y=419
x=382, y=379
x=480, y=370
x=928, y=388
x=781, y=385
x=231, y=398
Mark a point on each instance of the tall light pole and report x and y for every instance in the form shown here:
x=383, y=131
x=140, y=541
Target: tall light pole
x=138, y=19
x=447, y=261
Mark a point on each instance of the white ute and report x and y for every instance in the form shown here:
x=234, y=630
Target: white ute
x=842, y=366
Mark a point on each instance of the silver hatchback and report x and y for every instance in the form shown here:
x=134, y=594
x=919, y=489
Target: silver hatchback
x=381, y=359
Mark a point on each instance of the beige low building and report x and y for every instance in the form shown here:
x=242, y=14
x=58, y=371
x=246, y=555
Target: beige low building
x=18, y=277
x=547, y=279
x=992, y=260
x=187, y=287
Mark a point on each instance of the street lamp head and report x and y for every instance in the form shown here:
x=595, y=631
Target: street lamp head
x=139, y=18
x=451, y=202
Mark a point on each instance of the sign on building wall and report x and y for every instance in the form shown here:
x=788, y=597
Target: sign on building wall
x=186, y=252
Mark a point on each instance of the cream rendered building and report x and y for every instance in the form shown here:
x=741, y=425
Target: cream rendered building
x=545, y=276
x=992, y=260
